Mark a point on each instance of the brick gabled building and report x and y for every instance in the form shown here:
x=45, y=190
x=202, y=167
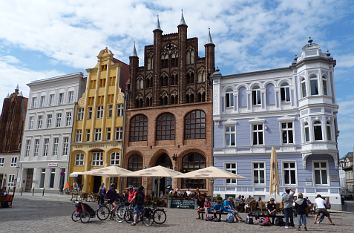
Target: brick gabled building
x=169, y=112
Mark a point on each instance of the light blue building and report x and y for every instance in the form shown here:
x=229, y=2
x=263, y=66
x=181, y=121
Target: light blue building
x=293, y=109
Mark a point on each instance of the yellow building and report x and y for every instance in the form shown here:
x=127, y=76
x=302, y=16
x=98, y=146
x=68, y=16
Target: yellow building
x=97, y=137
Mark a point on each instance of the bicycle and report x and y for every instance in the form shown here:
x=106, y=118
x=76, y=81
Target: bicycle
x=159, y=215
x=105, y=211
x=146, y=216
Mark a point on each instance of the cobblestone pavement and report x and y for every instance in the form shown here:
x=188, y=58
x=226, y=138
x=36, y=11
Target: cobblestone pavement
x=31, y=214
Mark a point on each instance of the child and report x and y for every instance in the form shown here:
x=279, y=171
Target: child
x=301, y=206
x=207, y=206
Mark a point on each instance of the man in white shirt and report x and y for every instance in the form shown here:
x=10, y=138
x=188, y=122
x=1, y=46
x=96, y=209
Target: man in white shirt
x=321, y=210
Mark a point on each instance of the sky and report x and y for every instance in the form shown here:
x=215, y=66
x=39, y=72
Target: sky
x=44, y=38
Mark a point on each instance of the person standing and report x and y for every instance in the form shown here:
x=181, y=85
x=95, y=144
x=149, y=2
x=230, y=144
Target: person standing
x=101, y=194
x=138, y=204
x=300, y=207
x=288, y=199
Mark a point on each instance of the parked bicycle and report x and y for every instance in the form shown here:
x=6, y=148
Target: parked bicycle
x=159, y=215
x=146, y=216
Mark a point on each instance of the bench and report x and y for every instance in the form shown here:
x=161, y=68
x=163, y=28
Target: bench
x=6, y=201
x=216, y=213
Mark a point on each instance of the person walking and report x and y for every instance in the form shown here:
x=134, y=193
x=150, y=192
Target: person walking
x=138, y=204
x=288, y=199
x=321, y=210
x=300, y=207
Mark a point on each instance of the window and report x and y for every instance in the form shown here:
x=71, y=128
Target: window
x=13, y=162
x=97, y=159
x=119, y=133
x=320, y=170
x=55, y=146
x=45, y=147
x=190, y=77
x=110, y=111
x=88, y=135
x=328, y=129
x=71, y=96
x=303, y=87
x=52, y=177
x=31, y=122
x=231, y=167
x=28, y=147
x=150, y=63
x=229, y=99
x=195, y=125
x=115, y=158
x=41, y=182
x=98, y=134
x=191, y=162
x=285, y=92
x=314, y=85
x=289, y=173
x=256, y=95
x=78, y=135
x=120, y=110
x=287, y=132
x=36, y=147
x=258, y=173
x=51, y=99
x=138, y=129
x=42, y=101
x=2, y=161
x=99, y=113
x=140, y=84
x=190, y=56
x=135, y=162
x=257, y=134
x=307, y=131
x=201, y=76
x=40, y=122
x=108, y=134
x=65, y=145
x=104, y=67
x=324, y=84
x=165, y=127
x=89, y=113
x=49, y=120
x=58, y=122
x=317, y=128
x=11, y=181
x=80, y=114
x=79, y=159
x=68, y=119
x=61, y=98
x=34, y=102
x=230, y=136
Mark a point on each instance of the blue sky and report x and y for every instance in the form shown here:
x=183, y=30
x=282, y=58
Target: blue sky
x=48, y=38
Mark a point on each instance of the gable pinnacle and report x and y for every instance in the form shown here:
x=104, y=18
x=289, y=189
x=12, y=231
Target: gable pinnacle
x=210, y=40
x=158, y=23
x=134, y=51
x=182, y=22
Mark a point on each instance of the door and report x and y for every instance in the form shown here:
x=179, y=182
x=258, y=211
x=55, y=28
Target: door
x=29, y=180
x=96, y=183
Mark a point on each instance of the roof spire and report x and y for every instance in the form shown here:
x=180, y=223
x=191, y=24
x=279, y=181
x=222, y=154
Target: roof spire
x=182, y=22
x=210, y=40
x=134, y=51
x=158, y=23
x=17, y=88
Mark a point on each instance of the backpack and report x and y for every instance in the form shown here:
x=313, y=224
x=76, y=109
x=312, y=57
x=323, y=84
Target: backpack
x=279, y=222
x=249, y=220
x=230, y=218
x=266, y=222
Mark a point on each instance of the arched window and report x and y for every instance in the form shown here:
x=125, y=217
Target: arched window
x=164, y=80
x=164, y=60
x=329, y=130
x=148, y=101
x=303, y=87
x=325, y=83
x=189, y=97
x=150, y=62
x=174, y=99
x=270, y=94
x=135, y=163
x=242, y=97
x=317, y=129
x=285, y=92
x=191, y=162
x=194, y=125
x=307, y=131
x=190, y=77
x=201, y=76
x=190, y=56
x=314, y=85
x=138, y=128
x=256, y=95
x=139, y=83
x=174, y=59
x=115, y=157
x=166, y=127
x=229, y=98
x=148, y=82
x=173, y=79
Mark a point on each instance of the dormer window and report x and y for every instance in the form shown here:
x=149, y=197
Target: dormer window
x=314, y=85
x=256, y=95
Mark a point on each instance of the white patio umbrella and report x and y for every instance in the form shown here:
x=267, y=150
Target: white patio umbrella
x=210, y=173
x=157, y=171
x=76, y=174
x=110, y=171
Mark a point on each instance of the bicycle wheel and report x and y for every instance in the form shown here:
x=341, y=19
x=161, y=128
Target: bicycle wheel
x=119, y=214
x=85, y=217
x=159, y=216
x=103, y=213
x=75, y=216
x=128, y=216
x=148, y=220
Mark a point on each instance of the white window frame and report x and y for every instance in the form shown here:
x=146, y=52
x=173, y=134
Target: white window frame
x=313, y=172
x=329, y=130
x=257, y=131
x=68, y=119
x=110, y=111
x=313, y=78
x=2, y=161
x=257, y=92
x=259, y=169
x=11, y=180
x=314, y=131
x=49, y=120
x=80, y=114
x=97, y=158
x=28, y=147
x=61, y=98
x=30, y=122
x=51, y=99
x=230, y=134
x=55, y=146
x=45, y=146
x=42, y=101
x=36, y=147
x=115, y=158
x=79, y=159
x=287, y=94
x=325, y=85
x=232, y=170
x=229, y=100
x=287, y=130
x=120, y=110
x=307, y=132
x=65, y=145
x=108, y=133
x=58, y=119
x=303, y=87
x=89, y=113
x=78, y=135
x=13, y=161
x=118, y=134
x=289, y=169
x=34, y=102
x=88, y=135
x=71, y=96
x=98, y=135
x=39, y=121
x=99, y=112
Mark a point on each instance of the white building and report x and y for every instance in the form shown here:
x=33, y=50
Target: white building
x=47, y=134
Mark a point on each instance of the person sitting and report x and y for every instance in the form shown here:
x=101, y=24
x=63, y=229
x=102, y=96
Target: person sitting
x=230, y=208
x=188, y=193
x=272, y=209
x=207, y=207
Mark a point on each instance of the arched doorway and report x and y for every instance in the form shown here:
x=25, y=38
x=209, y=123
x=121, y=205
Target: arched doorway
x=165, y=161
x=190, y=162
x=135, y=163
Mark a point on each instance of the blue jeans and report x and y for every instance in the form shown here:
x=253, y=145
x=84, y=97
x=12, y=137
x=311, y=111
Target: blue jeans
x=301, y=219
x=138, y=209
x=288, y=214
